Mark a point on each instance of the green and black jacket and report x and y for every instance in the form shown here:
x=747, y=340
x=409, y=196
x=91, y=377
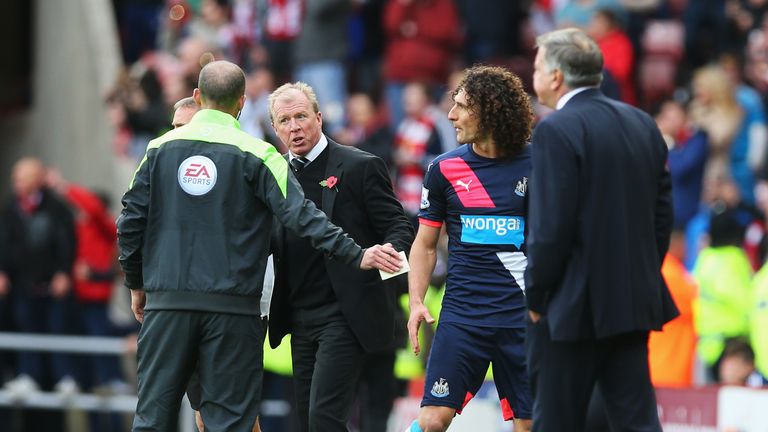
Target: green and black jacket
x=196, y=221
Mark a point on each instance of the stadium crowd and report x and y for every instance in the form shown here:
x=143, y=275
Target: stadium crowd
x=383, y=71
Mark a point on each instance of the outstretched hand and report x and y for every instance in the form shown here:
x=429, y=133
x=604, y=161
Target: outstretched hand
x=419, y=313
x=383, y=257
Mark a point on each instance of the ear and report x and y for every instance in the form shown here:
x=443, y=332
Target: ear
x=320, y=119
x=557, y=80
x=241, y=103
x=197, y=97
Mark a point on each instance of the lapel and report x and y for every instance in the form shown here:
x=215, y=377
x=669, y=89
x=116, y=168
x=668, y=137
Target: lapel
x=334, y=167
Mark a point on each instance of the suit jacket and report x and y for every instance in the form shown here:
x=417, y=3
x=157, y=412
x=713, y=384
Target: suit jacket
x=599, y=220
x=363, y=205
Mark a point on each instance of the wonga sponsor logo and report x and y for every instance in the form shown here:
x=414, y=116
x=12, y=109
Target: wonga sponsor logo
x=492, y=229
x=197, y=175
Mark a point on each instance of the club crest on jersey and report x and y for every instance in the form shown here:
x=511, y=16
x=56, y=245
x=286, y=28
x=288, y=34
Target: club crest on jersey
x=197, y=175
x=424, y=198
x=522, y=187
x=440, y=388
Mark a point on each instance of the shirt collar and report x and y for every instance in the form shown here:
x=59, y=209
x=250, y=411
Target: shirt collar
x=215, y=116
x=315, y=152
x=566, y=97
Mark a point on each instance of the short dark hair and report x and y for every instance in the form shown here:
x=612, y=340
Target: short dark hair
x=739, y=347
x=499, y=100
x=221, y=84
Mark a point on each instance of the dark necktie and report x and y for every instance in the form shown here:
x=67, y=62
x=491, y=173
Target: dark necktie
x=298, y=163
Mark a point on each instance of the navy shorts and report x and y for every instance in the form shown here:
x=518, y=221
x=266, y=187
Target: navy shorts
x=458, y=362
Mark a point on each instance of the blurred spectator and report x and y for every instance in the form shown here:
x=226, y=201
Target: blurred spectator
x=756, y=68
x=94, y=272
x=724, y=275
x=137, y=22
x=40, y=248
x=719, y=193
x=743, y=17
x=6, y=322
x=618, y=53
x=93, y=279
x=759, y=320
x=417, y=142
x=368, y=46
x=254, y=118
x=687, y=157
x=672, y=350
x=749, y=144
x=366, y=129
x=140, y=99
x=706, y=31
x=282, y=24
x=423, y=41
x=541, y=16
x=228, y=26
x=439, y=117
x=117, y=116
x=715, y=110
x=193, y=54
x=213, y=25
x=492, y=32
x=319, y=53
x=737, y=365
x=579, y=13
x=174, y=21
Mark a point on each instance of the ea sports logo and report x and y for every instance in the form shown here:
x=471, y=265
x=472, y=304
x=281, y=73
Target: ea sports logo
x=197, y=175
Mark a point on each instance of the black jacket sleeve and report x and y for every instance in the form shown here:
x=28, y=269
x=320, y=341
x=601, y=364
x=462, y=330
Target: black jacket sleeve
x=131, y=225
x=384, y=210
x=552, y=216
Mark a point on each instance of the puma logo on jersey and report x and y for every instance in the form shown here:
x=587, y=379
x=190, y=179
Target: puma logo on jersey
x=464, y=185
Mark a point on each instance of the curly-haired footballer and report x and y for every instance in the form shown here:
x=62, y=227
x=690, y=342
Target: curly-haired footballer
x=479, y=191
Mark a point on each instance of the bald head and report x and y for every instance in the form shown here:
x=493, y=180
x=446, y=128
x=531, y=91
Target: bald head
x=28, y=176
x=221, y=86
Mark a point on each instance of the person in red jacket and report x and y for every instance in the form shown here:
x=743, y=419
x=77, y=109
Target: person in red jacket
x=94, y=270
x=618, y=53
x=423, y=38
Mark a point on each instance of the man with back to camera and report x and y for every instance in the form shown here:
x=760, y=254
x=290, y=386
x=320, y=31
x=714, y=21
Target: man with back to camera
x=479, y=191
x=194, y=233
x=600, y=219
x=334, y=315
x=184, y=110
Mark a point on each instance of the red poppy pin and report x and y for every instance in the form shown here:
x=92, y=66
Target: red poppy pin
x=330, y=182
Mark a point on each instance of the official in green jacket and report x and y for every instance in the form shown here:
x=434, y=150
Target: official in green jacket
x=194, y=236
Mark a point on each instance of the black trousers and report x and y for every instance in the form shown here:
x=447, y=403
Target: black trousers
x=227, y=351
x=327, y=359
x=377, y=390
x=563, y=375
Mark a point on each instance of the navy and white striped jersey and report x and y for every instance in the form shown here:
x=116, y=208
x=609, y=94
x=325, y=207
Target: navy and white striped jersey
x=482, y=201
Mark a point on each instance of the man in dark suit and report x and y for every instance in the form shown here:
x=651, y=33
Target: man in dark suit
x=600, y=219
x=334, y=315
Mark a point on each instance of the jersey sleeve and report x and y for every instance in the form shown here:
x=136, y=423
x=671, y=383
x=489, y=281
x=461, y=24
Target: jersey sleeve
x=432, y=207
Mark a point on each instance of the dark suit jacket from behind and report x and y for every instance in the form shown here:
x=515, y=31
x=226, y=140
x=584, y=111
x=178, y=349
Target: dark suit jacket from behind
x=363, y=204
x=599, y=220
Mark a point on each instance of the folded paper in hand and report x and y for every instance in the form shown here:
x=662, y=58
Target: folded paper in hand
x=404, y=269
